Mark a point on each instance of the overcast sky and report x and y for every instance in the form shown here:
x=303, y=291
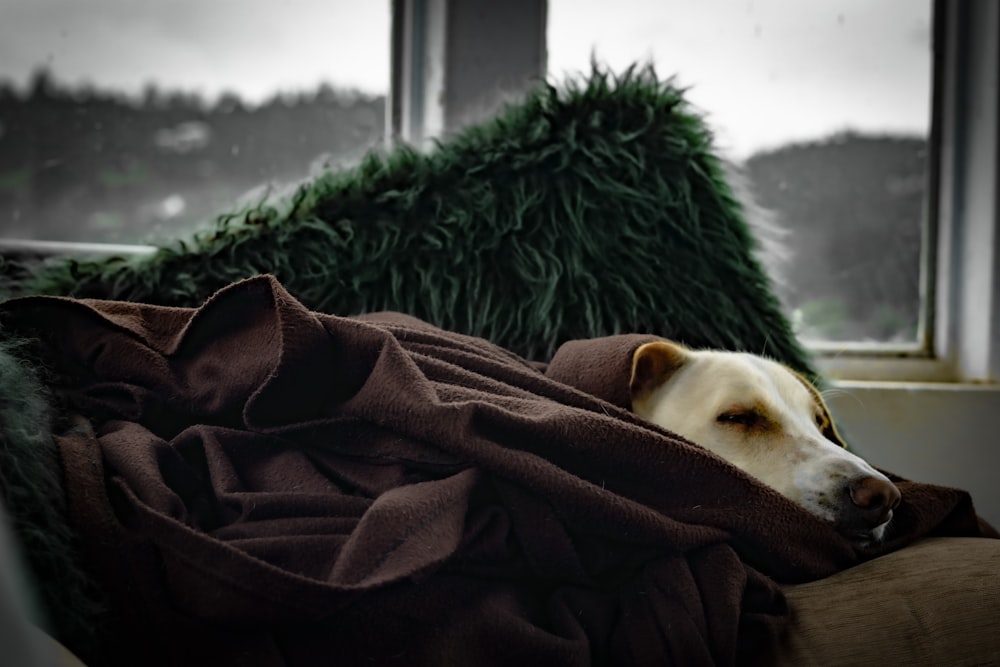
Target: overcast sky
x=765, y=71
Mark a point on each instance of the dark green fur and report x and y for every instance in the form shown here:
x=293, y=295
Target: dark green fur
x=592, y=209
x=33, y=498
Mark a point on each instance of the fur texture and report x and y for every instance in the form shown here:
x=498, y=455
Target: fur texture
x=596, y=208
x=32, y=492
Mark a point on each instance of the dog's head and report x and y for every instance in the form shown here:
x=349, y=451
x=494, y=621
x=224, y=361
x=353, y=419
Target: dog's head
x=767, y=420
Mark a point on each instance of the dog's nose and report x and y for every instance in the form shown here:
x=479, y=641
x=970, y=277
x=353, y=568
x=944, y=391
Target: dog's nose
x=874, y=498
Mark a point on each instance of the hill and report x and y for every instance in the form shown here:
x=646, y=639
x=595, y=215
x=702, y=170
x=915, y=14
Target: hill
x=853, y=204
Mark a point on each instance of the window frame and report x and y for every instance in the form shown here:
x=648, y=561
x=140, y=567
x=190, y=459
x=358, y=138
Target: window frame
x=960, y=341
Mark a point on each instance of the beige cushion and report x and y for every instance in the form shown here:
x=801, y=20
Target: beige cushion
x=936, y=602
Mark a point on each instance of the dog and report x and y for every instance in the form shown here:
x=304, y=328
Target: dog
x=770, y=422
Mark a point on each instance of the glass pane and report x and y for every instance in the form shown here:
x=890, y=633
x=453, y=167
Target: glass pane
x=826, y=107
x=130, y=121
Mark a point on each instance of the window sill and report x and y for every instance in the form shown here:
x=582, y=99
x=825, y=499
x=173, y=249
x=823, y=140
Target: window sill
x=31, y=248
x=888, y=368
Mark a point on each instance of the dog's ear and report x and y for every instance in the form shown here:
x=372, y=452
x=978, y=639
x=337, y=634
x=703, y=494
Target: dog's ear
x=825, y=422
x=652, y=365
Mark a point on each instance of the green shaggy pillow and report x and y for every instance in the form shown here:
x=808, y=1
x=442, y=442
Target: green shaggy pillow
x=596, y=208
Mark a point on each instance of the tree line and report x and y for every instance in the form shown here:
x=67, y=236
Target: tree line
x=80, y=163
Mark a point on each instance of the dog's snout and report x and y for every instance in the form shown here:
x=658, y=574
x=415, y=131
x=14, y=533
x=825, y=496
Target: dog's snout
x=873, y=498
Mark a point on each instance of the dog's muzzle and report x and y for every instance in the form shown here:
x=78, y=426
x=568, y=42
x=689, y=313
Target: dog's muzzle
x=867, y=504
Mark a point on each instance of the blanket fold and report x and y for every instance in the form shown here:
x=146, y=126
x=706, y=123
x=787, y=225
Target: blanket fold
x=256, y=483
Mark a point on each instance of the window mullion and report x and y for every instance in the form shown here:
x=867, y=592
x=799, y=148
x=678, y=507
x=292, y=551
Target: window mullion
x=455, y=62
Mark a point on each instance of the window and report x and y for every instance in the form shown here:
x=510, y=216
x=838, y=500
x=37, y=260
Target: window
x=765, y=101
x=130, y=122
x=825, y=107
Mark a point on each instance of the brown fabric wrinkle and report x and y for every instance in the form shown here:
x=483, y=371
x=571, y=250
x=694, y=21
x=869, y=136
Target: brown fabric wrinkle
x=601, y=366
x=409, y=528
x=536, y=523
x=156, y=326
x=305, y=382
x=143, y=462
x=219, y=583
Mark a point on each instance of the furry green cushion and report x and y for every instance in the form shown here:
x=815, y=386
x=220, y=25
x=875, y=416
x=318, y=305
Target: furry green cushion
x=593, y=209
x=32, y=495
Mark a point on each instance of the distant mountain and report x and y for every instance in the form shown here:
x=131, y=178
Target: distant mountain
x=854, y=206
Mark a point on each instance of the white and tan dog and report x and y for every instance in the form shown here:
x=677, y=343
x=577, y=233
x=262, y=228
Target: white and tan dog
x=767, y=420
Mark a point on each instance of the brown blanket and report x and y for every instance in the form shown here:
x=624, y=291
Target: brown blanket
x=256, y=484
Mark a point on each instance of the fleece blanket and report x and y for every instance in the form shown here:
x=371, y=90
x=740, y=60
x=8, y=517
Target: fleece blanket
x=254, y=483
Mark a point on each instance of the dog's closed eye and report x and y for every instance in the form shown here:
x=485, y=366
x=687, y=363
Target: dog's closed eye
x=741, y=418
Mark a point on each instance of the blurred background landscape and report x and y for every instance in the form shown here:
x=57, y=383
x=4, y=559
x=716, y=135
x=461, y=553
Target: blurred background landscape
x=79, y=163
